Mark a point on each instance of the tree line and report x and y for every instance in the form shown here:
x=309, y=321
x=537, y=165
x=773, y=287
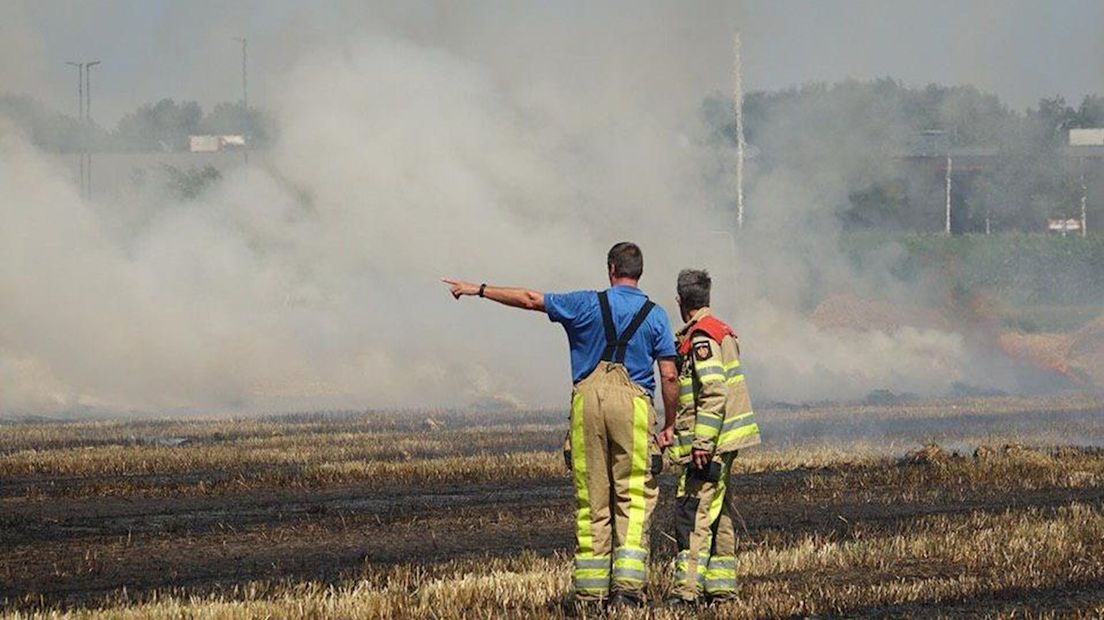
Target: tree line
x=862, y=135
x=1015, y=170
x=161, y=126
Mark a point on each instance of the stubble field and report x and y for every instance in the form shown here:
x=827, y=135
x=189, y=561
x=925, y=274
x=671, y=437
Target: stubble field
x=415, y=514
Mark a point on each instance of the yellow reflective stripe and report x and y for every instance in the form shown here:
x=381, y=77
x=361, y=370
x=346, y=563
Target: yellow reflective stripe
x=686, y=390
x=592, y=586
x=704, y=432
x=707, y=425
x=629, y=564
x=582, y=492
x=628, y=553
x=720, y=575
x=733, y=374
x=723, y=562
x=640, y=462
x=738, y=433
x=707, y=367
x=684, y=443
x=592, y=573
x=710, y=419
x=710, y=372
x=718, y=501
x=731, y=422
x=682, y=569
x=602, y=563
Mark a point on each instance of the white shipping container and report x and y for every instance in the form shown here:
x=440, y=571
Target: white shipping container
x=203, y=144
x=232, y=141
x=1086, y=137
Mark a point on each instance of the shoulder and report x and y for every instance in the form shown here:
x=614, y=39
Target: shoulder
x=567, y=306
x=704, y=347
x=573, y=296
x=658, y=318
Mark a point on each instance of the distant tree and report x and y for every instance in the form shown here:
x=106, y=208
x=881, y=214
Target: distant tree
x=1091, y=112
x=191, y=183
x=851, y=130
x=163, y=126
x=47, y=128
x=233, y=118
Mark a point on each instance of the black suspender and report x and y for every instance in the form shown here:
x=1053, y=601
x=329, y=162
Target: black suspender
x=616, y=345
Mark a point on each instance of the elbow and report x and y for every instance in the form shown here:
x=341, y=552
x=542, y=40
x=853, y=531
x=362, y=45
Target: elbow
x=534, y=301
x=668, y=374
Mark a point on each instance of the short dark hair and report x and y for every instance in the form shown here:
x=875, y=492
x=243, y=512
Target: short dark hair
x=626, y=260
x=693, y=289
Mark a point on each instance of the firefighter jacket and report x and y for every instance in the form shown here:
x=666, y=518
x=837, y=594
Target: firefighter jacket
x=714, y=411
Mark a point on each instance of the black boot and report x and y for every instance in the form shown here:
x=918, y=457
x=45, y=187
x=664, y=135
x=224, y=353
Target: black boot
x=677, y=602
x=625, y=599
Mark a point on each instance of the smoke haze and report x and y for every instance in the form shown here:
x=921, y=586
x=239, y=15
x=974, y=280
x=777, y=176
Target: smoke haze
x=503, y=144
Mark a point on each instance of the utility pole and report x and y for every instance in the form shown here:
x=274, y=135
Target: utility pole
x=738, y=97
x=88, y=122
x=80, y=118
x=1084, y=200
x=947, y=182
x=245, y=96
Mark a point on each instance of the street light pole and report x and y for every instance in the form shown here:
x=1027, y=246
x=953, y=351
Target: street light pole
x=245, y=98
x=80, y=117
x=88, y=120
x=947, y=182
x=738, y=96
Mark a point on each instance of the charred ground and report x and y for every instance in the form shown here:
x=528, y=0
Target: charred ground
x=843, y=513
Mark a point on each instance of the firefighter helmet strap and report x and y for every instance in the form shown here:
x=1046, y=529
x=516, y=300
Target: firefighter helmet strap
x=616, y=345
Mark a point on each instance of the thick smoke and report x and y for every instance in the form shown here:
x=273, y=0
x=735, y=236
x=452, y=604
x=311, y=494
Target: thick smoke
x=310, y=280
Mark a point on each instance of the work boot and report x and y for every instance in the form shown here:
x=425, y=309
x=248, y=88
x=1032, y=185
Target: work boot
x=625, y=600
x=678, y=603
x=721, y=599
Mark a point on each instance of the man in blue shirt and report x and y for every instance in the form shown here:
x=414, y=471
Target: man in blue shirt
x=616, y=337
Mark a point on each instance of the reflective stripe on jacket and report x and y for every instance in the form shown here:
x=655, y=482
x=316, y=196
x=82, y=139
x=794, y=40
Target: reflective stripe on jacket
x=715, y=411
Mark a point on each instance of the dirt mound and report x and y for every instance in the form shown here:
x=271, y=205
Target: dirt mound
x=1078, y=356
x=1010, y=449
x=1048, y=351
x=1086, y=351
x=931, y=454
x=845, y=311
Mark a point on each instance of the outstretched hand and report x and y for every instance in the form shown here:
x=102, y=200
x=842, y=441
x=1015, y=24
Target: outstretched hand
x=459, y=288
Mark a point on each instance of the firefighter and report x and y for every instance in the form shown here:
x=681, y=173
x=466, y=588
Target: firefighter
x=616, y=337
x=714, y=421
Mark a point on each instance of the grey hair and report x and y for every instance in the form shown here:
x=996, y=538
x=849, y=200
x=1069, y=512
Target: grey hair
x=694, y=286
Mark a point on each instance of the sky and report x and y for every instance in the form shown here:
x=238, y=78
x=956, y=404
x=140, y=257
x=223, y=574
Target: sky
x=1019, y=49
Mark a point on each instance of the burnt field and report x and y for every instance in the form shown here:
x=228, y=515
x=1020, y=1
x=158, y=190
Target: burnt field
x=844, y=510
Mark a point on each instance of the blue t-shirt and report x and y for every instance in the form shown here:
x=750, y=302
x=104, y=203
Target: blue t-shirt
x=581, y=317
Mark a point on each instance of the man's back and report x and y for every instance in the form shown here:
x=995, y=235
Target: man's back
x=580, y=314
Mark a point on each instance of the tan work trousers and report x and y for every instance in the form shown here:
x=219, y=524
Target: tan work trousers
x=706, y=534
x=613, y=456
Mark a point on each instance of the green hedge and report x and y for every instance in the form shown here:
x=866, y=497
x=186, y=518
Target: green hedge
x=1017, y=268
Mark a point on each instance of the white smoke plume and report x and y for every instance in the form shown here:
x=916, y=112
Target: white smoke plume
x=407, y=152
